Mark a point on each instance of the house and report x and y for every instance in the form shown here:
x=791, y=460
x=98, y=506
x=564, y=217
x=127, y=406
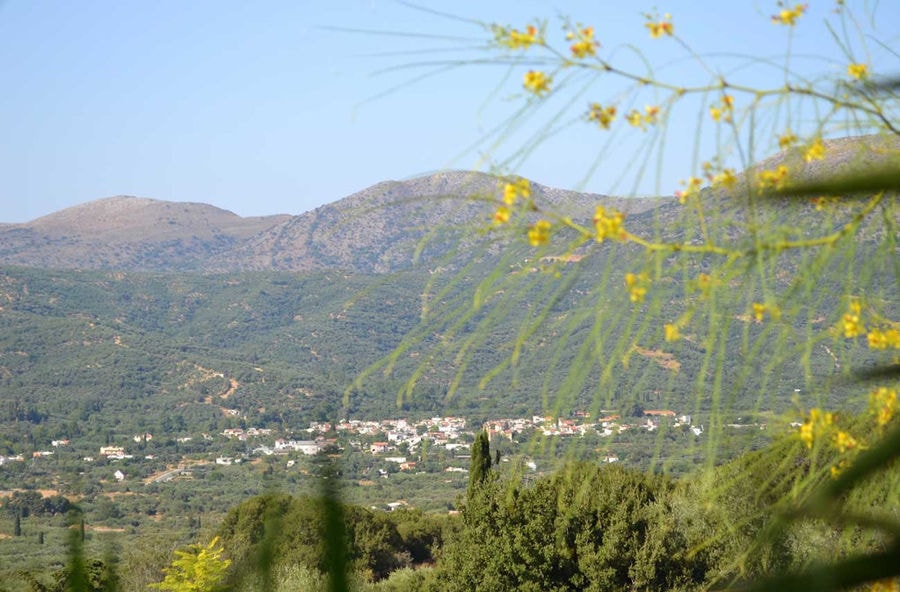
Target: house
x=113, y=451
x=307, y=447
x=378, y=447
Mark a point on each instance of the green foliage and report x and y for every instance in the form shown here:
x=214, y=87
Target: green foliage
x=480, y=463
x=297, y=531
x=582, y=528
x=590, y=527
x=33, y=503
x=199, y=568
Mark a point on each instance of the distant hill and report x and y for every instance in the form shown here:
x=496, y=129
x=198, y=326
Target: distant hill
x=128, y=233
x=133, y=309
x=375, y=230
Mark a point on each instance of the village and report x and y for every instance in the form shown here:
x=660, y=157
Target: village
x=394, y=445
x=399, y=441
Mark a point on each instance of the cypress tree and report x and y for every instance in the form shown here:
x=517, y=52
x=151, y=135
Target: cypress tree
x=17, y=530
x=480, y=465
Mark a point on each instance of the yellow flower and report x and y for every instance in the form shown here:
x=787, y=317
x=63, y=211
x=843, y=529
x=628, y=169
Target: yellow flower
x=759, y=311
x=672, y=332
x=585, y=45
x=787, y=140
x=837, y=469
x=858, y=71
x=726, y=178
x=806, y=434
x=789, y=16
x=853, y=327
x=539, y=233
x=609, y=225
x=509, y=194
x=516, y=189
x=816, y=151
x=637, y=119
x=704, y=283
x=885, y=586
x=661, y=27
x=822, y=202
x=844, y=441
x=883, y=402
x=817, y=424
x=723, y=110
x=602, y=115
x=773, y=179
x=537, y=82
x=515, y=39
x=691, y=188
x=501, y=215
x=636, y=285
x=884, y=338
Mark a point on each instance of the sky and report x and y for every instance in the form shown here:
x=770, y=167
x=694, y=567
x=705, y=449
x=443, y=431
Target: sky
x=286, y=105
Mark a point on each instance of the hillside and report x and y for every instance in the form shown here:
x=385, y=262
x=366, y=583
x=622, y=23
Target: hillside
x=127, y=233
x=378, y=229
x=274, y=317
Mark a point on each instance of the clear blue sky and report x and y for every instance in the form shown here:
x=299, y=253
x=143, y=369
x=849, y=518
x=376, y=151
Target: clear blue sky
x=274, y=107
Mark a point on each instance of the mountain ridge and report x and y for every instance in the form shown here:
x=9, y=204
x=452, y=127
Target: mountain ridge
x=377, y=229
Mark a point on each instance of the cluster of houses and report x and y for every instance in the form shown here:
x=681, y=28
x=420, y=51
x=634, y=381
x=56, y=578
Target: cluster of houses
x=385, y=438
x=447, y=431
x=579, y=426
x=450, y=433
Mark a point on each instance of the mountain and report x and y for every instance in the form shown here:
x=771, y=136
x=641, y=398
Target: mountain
x=128, y=233
x=136, y=309
x=378, y=229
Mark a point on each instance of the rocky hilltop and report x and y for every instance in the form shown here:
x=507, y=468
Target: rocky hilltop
x=129, y=233
x=380, y=229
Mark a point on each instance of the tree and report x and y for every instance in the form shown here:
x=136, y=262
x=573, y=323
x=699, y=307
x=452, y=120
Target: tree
x=480, y=463
x=737, y=284
x=197, y=569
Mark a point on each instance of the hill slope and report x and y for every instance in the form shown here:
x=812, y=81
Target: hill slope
x=379, y=229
